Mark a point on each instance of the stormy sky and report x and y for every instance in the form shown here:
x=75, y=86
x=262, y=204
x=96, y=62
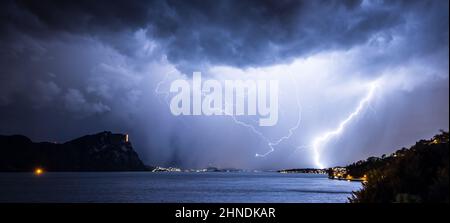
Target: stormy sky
x=71, y=68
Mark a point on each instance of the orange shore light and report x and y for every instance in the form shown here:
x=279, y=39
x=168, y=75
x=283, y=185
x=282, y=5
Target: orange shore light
x=38, y=171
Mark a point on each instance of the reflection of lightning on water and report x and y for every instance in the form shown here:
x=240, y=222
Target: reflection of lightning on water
x=323, y=138
x=270, y=144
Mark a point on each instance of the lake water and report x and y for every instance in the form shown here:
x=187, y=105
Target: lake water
x=173, y=187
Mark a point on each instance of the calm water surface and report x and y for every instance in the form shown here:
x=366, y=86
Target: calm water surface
x=172, y=187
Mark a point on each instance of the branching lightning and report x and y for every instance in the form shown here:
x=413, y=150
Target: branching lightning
x=291, y=130
x=158, y=86
x=271, y=144
x=321, y=140
x=316, y=144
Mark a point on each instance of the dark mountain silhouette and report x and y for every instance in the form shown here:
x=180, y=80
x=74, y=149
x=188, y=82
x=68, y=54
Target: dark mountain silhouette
x=104, y=151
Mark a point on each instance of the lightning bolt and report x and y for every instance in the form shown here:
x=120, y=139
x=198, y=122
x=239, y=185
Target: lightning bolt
x=291, y=130
x=270, y=144
x=321, y=140
x=158, y=86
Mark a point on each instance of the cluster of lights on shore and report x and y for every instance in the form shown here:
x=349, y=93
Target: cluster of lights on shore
x=348, y=177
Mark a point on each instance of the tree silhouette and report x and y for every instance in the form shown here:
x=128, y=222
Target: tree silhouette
x=417, y=174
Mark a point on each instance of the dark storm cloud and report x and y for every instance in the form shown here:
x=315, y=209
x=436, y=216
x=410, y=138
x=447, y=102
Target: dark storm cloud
x=237, y=33
x=71, y=68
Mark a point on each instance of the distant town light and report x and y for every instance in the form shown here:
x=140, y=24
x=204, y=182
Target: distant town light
x=364, y=178
x=38, y=171
x=126, y=137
